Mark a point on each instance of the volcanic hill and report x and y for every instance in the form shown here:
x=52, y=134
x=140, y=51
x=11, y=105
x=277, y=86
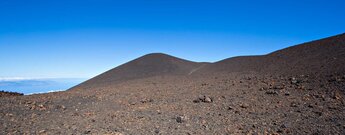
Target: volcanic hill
x=297, y=90
x=155, y=64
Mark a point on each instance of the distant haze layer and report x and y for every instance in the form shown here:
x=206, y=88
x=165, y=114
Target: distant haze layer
x=32, y=85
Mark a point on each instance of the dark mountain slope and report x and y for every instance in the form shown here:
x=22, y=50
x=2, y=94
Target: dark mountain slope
x=325, y=55
x=155, y=64
x=134, y=98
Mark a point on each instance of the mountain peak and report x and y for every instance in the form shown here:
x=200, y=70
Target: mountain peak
x=159, y=56
x=153, y=64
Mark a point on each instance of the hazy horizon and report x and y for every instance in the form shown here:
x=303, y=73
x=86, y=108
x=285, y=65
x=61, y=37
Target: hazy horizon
x=38, y=85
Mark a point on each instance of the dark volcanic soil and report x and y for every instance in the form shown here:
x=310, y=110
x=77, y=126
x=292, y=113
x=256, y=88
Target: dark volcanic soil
x=298, y=90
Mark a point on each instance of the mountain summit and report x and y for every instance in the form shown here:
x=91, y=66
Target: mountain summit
x=154, y=64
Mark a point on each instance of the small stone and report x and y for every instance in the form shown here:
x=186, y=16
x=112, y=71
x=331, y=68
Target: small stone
x=74, y=127
x=132, y=103
x=294, y=80
x=338, y=79
x=9, y=114
x=278, y=87
x=179, y=119
x=157, y=131
x=203, y=98
x=283, y=126
x=42, y=107
x=318, y=113
x=244, y=105
x=271, y=92
x=336, y=95
x=293, y=104
x=332, y=107
x=310, y=106
x=196, y=101
x=87, y=132
x=62, y=107
x=208, y=100
x=204, y=84
x=280, y=131
x=145, y=100
x=42, y=131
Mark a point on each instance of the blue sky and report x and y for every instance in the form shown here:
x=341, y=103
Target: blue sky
x=83, y=38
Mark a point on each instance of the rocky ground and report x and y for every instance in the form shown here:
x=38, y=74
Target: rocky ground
x=297, y=90
x=223, y=104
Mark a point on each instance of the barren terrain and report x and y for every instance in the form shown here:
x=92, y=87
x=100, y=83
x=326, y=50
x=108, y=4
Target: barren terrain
x=297, y=90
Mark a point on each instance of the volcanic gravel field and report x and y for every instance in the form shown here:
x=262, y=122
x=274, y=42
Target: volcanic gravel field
x=296, y=90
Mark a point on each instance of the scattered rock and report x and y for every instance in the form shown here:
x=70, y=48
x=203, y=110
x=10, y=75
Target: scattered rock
x=179, y=119
x=207, y=100
x=204, y=84
x=42, y=107
x=157, y=131
x=203, y=98
x=318, y=113
x=272, y=92
x=244, y=105
x=42, y=132
x=196, y=101
x=293, y=104
x=294, y=80
x=87, y=132
x=278, y=87
x=62, y=107
x=132, y=103
x=9, y=114
x=336, y=95
x=146, y=100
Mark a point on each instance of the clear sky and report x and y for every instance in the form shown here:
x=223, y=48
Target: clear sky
x=83, y=38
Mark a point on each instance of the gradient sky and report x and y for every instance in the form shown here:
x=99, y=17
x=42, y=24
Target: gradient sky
x=82, y=38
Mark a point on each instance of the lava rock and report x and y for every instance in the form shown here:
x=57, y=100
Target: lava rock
x=272, y=92
x=179, y=119
x=203, y=98
x=244, y=105
x=146, y=100
x=294, y=80
x=293, y=104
